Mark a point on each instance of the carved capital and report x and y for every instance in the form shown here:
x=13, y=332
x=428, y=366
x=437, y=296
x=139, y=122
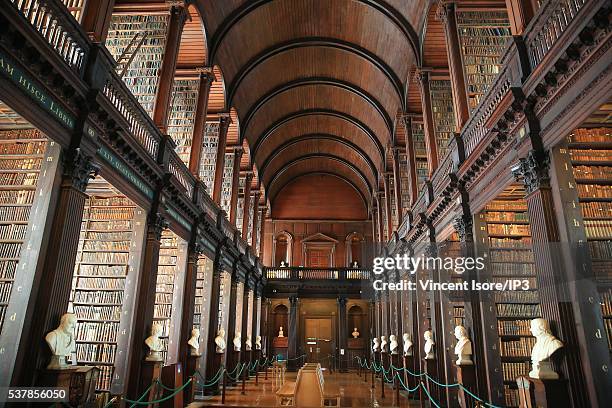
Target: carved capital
x=224, y=120
x=444, y=8
x=533, y=171
x=421, y=76
x=198, y=249
x=157, y=224
x=463, y=226
x=206, y=74
x=80, y=168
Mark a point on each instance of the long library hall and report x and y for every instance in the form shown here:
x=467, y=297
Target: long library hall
x=306, y=203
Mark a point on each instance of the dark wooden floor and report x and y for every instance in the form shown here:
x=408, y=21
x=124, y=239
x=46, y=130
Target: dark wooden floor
x=354, y=391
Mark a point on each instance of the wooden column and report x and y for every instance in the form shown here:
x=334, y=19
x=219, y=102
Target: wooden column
x=224, y=122
x=96, y=19
x=381, y=228
x=143, y=315
x=254, y=237
x=191, y=275
x=411, y=160
x=388, y=206
x=262, y=233
x=247, y=204
x=397, y=184
x=235, y=184
x=552, y=288
x=245, y=320
x=342, y=333
x=206, y=79
x=520, y=13
x=233, y=358
x=163, y=98
x=293, y=333
x=50, y=301
x=446, y=13
x=212, y=365
x=430, y=133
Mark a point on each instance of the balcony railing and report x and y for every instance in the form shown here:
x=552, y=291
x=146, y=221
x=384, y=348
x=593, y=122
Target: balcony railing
x=305, y=273
x=58, y=27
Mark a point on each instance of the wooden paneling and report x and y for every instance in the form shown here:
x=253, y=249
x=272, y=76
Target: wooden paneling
x=413, y=94
x=192, y=51
x=216, y=100
x=434, y=44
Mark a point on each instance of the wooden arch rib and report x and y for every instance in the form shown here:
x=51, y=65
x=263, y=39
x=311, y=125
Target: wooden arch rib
x=380, y=5
x=370, y=99
x=290, y=45
x=324, y=125
x=217, y=99
x=317, y=112
x=318, y=144
x=319, y=164
x=193, y=51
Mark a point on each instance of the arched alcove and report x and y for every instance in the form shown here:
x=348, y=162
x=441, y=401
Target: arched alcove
x=282, y=248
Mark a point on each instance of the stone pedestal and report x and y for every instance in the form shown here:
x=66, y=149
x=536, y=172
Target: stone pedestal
x=466, y=375
x=535, y=393
x=79, y=380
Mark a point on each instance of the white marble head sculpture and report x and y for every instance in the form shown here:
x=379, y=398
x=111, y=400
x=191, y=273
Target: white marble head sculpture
x=220, y=341
x=546, y=344
x=407, y=344
x=194, y=342
x=237, y=342
x=429, y=345
x=375, y=344
x=155, y=344
x=61, y=341
x=393, y=344
x=383, y=344
x=463, y=349
x=247, y=343
x=257, y=342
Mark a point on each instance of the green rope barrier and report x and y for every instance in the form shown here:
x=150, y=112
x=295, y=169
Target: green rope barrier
x=181, y=388
x=399, y=377
x=144, y=394
x=238, y=375
x=429, y=396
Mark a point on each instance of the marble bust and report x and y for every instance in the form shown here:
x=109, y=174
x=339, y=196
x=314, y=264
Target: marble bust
x=237, y=342
x=155, y=344
x=355, y=333
x=383, y=344
x=407, y=344
x=194, y=343
x=429, y=345
x=280, y=332
x=257, y=342
x=220, y=341
x=375, y=345
x=463, y=349
x=247, y=343
x=61, y=341
x=393, y=344
x=546, y=345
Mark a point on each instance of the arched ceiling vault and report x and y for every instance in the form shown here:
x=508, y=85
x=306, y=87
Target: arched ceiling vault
x=316, y=84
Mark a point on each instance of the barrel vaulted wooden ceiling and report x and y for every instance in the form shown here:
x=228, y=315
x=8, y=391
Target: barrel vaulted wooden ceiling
x=316, y=84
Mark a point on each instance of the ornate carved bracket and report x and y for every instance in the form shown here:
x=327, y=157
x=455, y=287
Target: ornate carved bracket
x=80, y=168
x=157, y=224
x=533, y=171
x=463, y=225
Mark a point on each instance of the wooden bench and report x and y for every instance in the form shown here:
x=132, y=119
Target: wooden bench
x=309, y=390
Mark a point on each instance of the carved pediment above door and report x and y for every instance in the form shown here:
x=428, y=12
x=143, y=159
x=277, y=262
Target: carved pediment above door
x=318, y=250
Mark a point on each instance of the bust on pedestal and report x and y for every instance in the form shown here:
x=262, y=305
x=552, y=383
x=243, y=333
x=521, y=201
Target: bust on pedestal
x=155, y=344
x=61, y=342
x=247, y=343
x=407, y=344
x=429, y=345
x=546, y=344
x=383, y=344
x=237, y=342
x=257, y=342
x=355, y=333
x=463, y=349
x=194, y=343
x=393, y=346
x=375, y=345
x=220, y=342
x=280, y=332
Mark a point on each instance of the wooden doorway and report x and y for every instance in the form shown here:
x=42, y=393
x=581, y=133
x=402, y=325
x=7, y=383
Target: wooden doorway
x=318, y=340
x=319, y=258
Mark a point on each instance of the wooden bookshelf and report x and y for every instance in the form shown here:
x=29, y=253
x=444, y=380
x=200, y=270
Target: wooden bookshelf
x=209, y=154
x=182, y=115
x=510, y=256
x=394, y=215
x=240, y=203
x=250, y=226
x=483, y=36
x=226, y=187
x=21, y=156
x=443, y=114
x=590, y=153
x=420, y=152
x=142, y=75
x=99, y=279
x=404, y=181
